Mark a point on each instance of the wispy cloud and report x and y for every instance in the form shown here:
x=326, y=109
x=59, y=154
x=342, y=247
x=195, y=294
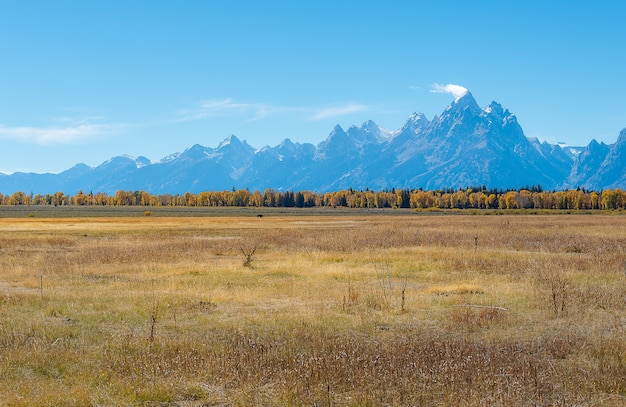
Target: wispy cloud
x=338, y=111
x=248, y=112
x=227, y=107
x=457, y=91
x=72, y=133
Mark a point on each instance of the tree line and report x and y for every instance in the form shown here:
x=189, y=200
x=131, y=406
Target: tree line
x=468, y=198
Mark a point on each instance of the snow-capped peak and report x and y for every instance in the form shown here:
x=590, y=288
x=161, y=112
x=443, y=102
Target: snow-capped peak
x=494, y=107
x=232, y=139
x=169, y=158
x=460, y=95
x=465, y=99
x=142, y=161
x=417, y=116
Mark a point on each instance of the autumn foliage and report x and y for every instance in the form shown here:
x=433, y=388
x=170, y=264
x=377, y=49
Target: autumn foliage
x=470, y=198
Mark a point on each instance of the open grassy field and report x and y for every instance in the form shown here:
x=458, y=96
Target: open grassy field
x=325, y=310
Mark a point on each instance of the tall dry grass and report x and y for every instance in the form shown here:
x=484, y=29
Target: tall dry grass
x=333, y=311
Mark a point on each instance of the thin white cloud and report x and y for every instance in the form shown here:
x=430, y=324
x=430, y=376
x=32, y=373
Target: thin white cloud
x=73, y=134
x=72, y=121
x=457, y=91
x=248, y=112
x=262, y=111
x=338, y=111
x=227, y=107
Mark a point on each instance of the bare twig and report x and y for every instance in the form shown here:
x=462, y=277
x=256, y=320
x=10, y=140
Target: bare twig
x=404, y=284
x=248, y=255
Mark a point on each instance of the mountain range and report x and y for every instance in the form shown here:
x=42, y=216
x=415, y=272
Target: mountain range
x=463, y=146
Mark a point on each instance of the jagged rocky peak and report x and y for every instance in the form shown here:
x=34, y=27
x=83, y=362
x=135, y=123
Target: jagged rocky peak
x=593, y=142
x=368, y=133
x=142, y=161
x=494, y=109
x=337, y=130
x=418, y=117
x=594, y=145
x=78, y=169
x=286, y=143
x=230, y=140
x=335, y=136
x=287, y=147
x=194, y=152
x=369, y=124
x=593, y=149
x=234, y=145
x=496, y=113
x=336, y=144
x=119, y=160
x=416, y=121
x=460, y=110
x=466, y=101
x=370, y=127
x=621, y=139
x=196, y=148
x=509, y=119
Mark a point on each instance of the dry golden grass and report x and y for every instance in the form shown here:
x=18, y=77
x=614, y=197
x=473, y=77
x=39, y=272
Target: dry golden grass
x=334, y=311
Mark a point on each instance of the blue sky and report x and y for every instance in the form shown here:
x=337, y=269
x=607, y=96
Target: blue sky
x=83, y=81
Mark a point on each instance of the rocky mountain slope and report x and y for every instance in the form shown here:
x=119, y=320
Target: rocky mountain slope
x=464, y=146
